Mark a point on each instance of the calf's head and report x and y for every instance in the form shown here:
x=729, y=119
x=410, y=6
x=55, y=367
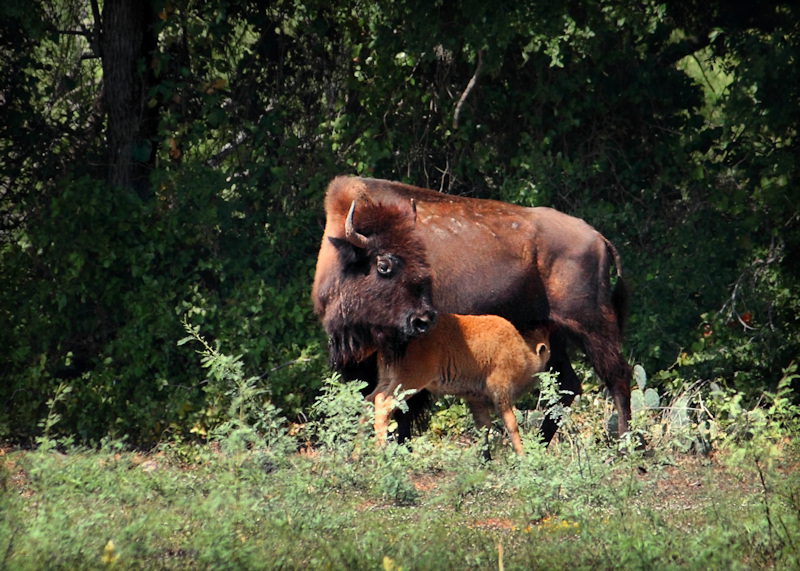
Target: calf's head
x=380, y=297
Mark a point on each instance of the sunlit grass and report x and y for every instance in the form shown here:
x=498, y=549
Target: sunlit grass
x=345, y=504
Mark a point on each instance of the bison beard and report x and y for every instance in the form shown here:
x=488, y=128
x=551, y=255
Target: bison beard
x=365, y=307
x=532, y=266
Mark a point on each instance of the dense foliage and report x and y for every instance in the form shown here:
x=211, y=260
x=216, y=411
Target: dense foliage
x=164, y=164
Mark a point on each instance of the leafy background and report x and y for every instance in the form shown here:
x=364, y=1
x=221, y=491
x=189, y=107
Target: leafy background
x=164, y=165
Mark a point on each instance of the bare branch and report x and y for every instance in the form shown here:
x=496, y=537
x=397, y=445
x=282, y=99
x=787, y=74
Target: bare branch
x=751, y=273
x=469, y=88
x=97, y=27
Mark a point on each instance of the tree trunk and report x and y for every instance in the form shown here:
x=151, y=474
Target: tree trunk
x=128, y=45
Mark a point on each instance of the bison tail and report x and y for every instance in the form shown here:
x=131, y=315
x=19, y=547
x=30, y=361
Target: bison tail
x=620, y=299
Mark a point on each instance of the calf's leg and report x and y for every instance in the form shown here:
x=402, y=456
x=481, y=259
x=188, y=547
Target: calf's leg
x=510, y=420
x=483, y=422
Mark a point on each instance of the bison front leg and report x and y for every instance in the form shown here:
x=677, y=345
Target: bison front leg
x=384, y=405
x=569, y=385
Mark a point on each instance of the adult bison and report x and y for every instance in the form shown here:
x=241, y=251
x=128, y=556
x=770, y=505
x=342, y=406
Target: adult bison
x=392, y=255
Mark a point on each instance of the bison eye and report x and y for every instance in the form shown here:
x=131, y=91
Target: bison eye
x=385, y=266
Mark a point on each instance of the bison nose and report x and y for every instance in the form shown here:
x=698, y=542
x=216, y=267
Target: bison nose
x=422, y=323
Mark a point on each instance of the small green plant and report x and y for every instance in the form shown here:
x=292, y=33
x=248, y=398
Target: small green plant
x=45, y=441
x=239, y=412
x=450, y=417
x=549, y=404
x=643, y=398
x=342, y=427
x=390, y=467
x=774, y=418
x=679, y=425
x=550, y=396
x=338, y=415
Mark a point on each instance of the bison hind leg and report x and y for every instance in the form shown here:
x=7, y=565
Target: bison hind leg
x=416, y=419
x=481, y=414
x=611, y=367
x=600, y=340
x=510, y=420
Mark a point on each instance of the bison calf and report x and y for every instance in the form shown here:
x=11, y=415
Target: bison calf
x=481, y=358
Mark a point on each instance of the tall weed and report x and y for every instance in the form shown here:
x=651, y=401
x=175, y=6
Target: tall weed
x=239, y=413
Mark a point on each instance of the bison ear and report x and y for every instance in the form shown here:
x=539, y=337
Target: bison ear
x=349, y=255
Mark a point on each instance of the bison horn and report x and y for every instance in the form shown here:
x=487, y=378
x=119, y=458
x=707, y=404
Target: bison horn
x=356, y=239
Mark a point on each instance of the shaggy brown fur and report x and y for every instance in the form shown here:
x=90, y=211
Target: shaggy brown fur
x=532, y=266
x=480, y=358
x=381, y=295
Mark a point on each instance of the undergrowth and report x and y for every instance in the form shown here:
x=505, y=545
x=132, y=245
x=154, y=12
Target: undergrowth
x=705, y=482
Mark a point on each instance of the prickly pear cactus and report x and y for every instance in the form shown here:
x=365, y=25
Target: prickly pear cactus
x=643, y=398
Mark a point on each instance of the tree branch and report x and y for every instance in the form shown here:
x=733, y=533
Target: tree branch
x=469, y=88
x=98, y=27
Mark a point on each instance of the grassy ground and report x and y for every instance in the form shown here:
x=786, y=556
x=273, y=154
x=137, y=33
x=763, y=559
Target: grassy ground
x=434, y=507
x=717, y=487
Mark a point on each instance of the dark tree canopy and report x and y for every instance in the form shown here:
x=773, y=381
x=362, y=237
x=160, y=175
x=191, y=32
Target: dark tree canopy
x=165, y=161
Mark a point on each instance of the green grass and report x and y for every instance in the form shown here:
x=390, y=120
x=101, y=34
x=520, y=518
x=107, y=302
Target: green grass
x=436, y=507
x=717, y=487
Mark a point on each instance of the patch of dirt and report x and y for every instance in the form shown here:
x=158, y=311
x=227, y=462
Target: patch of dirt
x=682, y=492
x=425, y=482
x=12, y=476
x=495, y=524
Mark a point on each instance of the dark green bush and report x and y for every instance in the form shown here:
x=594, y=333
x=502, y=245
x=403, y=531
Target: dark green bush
x=669, y=127
x=114, y=277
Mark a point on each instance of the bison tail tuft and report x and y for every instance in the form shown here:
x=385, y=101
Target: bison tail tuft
x=620, y=299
